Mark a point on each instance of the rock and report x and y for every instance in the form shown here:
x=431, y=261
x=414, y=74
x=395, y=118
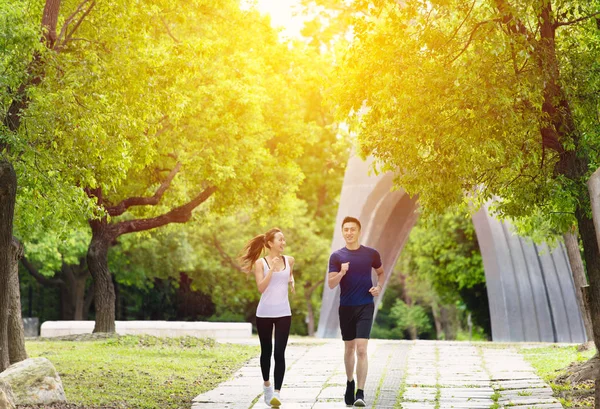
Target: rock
x=34, y=381
x=7, y=399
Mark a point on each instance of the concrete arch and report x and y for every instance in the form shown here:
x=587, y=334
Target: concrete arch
x=530, y=288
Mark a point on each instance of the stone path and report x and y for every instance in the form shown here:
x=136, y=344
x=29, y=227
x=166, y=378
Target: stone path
x=402, y=375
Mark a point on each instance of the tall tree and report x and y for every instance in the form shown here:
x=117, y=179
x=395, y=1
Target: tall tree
x=23, y=65
x=493, y=98
x=189, y=119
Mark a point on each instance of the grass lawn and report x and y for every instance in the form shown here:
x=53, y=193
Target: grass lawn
x=552, y=362
x=140, y=371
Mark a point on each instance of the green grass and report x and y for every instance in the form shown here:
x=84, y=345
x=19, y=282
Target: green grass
x=141, y=371
x=552, y=361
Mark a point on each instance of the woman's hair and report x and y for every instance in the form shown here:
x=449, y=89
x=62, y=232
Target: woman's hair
x=253, y=249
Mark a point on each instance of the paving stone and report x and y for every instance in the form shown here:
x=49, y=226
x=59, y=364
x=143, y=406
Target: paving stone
x=520, y=384
x=466, y=392
x=473, y=384
x=539, y=406
x=327, y=405
x=467, y=405
x=203, y=405
x=534, y=392
x=419, y=394
x=467, y=402
x=417, y=405
x=526, y=400
x=300, y=394
x=332, y=392
x=229, y=394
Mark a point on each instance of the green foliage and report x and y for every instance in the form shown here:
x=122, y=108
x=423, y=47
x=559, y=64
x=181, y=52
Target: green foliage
x=410, y=317
x=143, y=372
x=448, y=97
x=445, y=253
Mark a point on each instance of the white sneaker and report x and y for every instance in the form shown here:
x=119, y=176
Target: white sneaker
x=276, y=400
x=268, y=390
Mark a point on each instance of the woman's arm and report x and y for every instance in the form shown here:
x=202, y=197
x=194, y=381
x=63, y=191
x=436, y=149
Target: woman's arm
x=262, y=280
x=292, y=281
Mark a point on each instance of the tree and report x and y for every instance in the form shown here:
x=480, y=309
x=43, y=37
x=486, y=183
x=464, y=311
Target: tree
x=410, y=317
x=492, y=98
x=20, y=74
x=209, y=127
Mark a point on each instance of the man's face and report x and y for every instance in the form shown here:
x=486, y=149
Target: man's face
x=351, y=232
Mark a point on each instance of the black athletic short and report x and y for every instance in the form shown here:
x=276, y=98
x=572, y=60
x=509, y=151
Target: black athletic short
x=356, y=321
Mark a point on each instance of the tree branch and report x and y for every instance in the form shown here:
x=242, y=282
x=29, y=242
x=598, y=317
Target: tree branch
x=68, y=34
x=475, y=28
x=169, y=30
x=12, y=118
x=460, y=25
x=578, y=20
x=180, y=214
x=144, y=201
x=310, y=290
x=226, y=257
x=39, y=277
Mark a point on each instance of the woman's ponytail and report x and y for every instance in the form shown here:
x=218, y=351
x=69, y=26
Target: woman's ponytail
x=253, y=249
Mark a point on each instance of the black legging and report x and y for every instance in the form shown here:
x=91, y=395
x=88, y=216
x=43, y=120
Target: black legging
x=264, y=326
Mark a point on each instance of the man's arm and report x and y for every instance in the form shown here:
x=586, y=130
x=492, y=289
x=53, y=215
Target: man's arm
x=375, y=291
x=334, y=277
x=380, y=277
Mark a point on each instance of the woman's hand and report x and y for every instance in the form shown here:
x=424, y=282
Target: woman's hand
x=276, y=263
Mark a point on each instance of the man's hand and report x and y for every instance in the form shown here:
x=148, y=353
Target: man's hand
x=375, y=291
x=345, y=267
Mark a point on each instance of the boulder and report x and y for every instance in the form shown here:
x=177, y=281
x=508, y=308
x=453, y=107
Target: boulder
x=7, y=400
x=34, y=381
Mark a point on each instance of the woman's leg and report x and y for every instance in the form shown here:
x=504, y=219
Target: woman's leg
x=282, y=332
x=264, y=327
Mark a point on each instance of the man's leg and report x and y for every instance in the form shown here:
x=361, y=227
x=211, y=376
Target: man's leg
x=362, y=365
x=349, y=358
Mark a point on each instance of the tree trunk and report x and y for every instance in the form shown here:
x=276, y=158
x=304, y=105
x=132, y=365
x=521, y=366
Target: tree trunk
x=73, y=289
x=79, y=296
x=580, y=280
x=592, y=261
x=97, y=259
x=87, y=303
x=594, y=190
x=309, y=289
x=16, y=332
x=582, y=372
x=435, y=310
x=8, y=191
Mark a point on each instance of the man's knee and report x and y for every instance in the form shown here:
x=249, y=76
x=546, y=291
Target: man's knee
x=349, y=347
x=361, y=349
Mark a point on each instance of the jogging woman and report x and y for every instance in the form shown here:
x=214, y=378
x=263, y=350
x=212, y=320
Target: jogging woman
x=273, y=274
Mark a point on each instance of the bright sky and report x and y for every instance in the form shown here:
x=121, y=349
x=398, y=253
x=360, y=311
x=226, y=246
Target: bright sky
x=281, y=12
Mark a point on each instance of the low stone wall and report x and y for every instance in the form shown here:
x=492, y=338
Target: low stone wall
x=157, y=328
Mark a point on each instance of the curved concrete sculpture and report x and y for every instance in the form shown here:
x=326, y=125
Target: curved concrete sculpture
x=530, y=288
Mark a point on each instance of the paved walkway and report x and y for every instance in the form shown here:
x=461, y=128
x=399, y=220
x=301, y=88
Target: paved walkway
x=402, y=375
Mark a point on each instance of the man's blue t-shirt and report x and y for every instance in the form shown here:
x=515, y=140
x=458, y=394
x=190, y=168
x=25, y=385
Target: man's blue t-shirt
x=355, y=285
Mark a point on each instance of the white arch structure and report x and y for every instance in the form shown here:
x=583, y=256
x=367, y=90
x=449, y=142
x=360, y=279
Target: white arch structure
x=530, y=288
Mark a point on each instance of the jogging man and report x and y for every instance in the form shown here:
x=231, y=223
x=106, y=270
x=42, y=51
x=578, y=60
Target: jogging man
x=350, y=267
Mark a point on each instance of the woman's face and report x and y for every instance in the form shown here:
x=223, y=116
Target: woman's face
x=278, y=242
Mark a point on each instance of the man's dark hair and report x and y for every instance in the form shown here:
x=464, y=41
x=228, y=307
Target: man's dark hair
x=350, y=219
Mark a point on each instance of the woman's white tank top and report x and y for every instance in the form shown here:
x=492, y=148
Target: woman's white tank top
x=274, y=300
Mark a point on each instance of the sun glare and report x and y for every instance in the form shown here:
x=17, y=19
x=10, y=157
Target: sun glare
x=283, y=15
